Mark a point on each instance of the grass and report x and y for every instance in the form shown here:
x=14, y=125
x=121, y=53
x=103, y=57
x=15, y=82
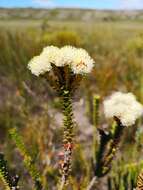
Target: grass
x=134, y=26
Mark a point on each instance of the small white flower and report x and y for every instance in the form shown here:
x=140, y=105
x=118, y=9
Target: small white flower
x=82, y=62
x=51, y=53
x=66, y=55
x=124, y=106
x=39, y=65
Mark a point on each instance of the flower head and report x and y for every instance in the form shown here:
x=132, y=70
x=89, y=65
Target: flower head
x=82, y=62
x=51, y=53
x=39, y=65
x=77, y=59
x=66, y=55
x=124, y=106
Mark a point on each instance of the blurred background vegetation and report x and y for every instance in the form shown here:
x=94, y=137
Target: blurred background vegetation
x=115, y=41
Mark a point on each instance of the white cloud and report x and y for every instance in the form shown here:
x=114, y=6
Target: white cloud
x=45, y=3
x=131, y=4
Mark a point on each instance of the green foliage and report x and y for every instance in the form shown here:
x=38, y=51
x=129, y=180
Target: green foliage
x=125, y=177
x=136, y=45
x=9, y=181
x=62, y=38
x=28, y=161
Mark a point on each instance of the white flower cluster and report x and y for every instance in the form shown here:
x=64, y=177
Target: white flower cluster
x=76, y=58
x=124, y=106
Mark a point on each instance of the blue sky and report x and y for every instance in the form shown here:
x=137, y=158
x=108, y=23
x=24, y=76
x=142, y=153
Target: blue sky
x=99, y=4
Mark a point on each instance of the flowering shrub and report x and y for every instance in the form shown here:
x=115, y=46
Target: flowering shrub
x=68, y=65
x=64, y=68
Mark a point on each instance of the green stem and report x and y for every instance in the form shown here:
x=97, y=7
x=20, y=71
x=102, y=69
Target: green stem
x=67, y=135
x=106, y=153
x=95, y=123
x=104, y=139
x=114, y=144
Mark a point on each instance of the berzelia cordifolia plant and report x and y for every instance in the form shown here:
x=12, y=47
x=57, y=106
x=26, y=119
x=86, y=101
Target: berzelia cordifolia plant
x=64, y=68
x=124, y=109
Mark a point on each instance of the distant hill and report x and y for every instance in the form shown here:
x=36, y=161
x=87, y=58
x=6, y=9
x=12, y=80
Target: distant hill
x=69, y=14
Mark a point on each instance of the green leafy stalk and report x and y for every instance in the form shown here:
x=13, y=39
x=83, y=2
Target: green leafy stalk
x=10, y=182
x=108, y=145
x=106, y=153
x=96, y=99
x=118, y=131
x=67, y=136
x=104, y=139
x=27, y=159
x=65, y=83
x=68, y=117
